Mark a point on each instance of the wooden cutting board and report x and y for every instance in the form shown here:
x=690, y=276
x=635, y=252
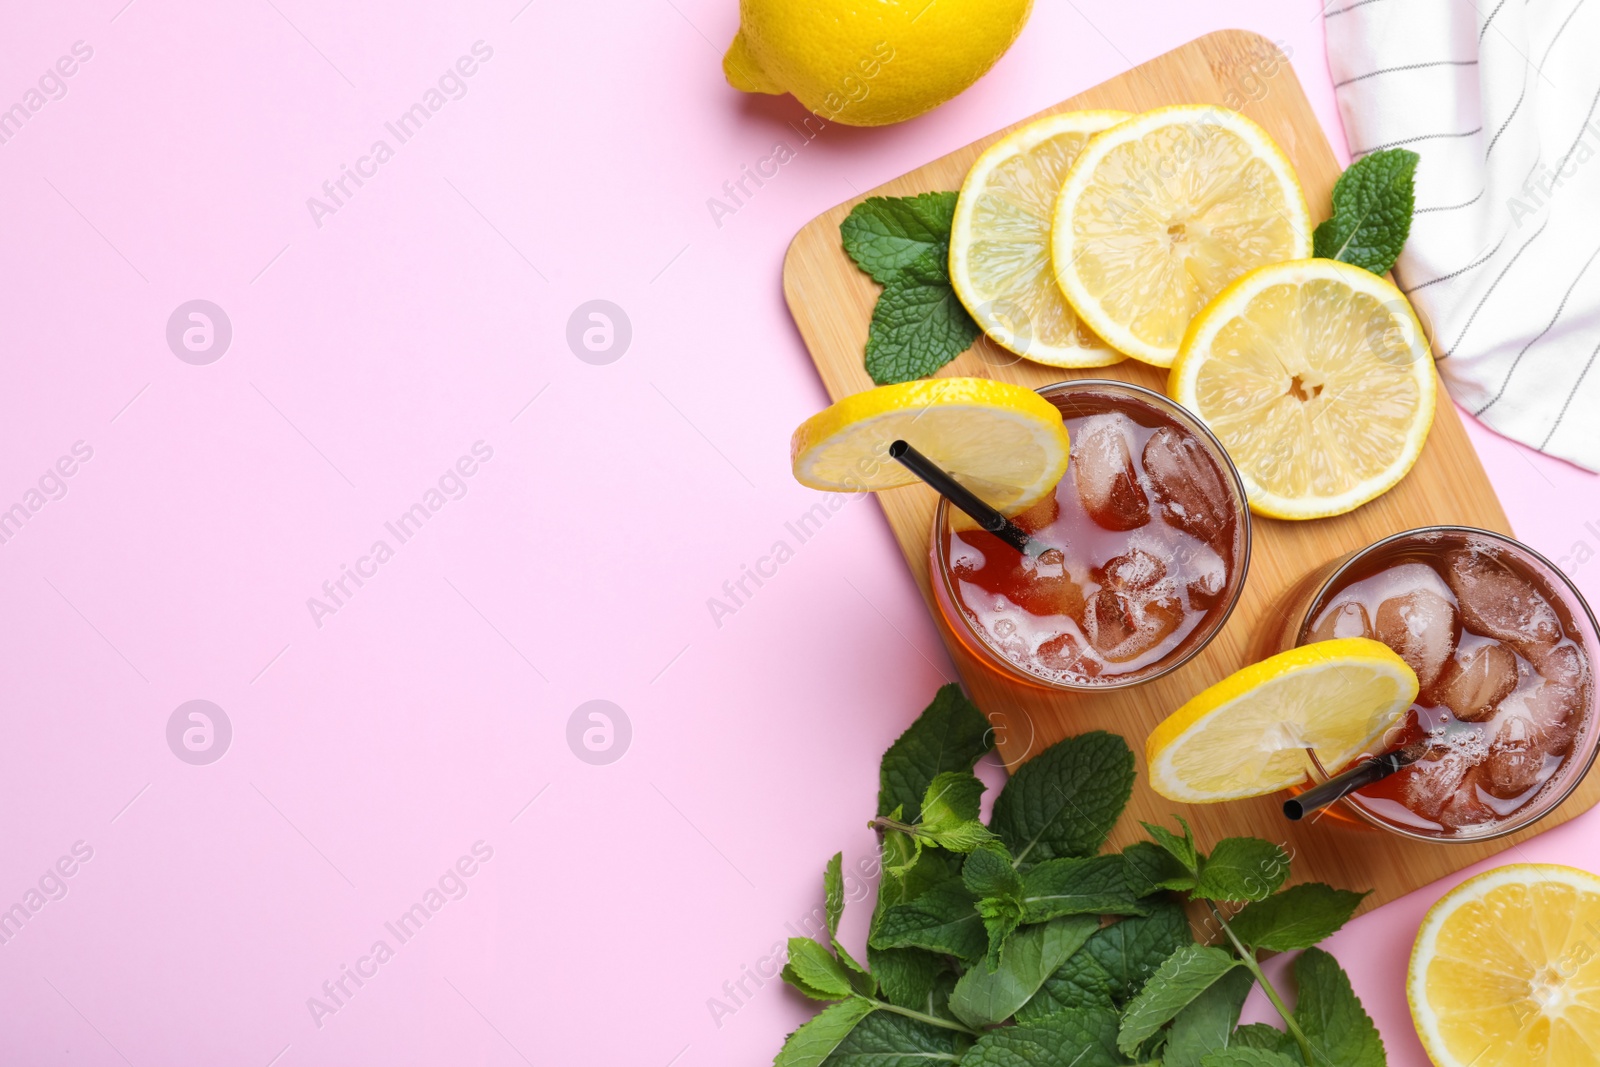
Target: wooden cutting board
x=832, y=304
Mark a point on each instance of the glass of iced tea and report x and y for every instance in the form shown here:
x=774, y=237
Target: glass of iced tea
x=1503, y=646
x=1149, y=540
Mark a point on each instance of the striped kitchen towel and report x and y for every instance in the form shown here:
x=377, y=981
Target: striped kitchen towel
x=1501, y=99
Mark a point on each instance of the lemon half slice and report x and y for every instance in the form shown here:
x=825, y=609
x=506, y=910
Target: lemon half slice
x=1158, y=214
x=1317, y=378
x=1505, y=972
x=1248, y=734
x=1005, y=443
x=1000, y=242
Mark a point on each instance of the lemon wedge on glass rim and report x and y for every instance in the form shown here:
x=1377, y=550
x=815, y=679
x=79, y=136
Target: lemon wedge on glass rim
x=1006, y=443
x=1000, y=242
x=1158, y=214
x=1247, y=735
x=1319, y=381
x=1505, y=972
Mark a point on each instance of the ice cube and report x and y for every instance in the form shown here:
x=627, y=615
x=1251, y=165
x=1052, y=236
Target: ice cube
x=1497, y=602
x=1473, y=683
x=1512, y=768
x=1423, y=627
x=1039, y=516
x=1432, y=781
x=1564, y=664
x=1186, y=484
x=1045, y=594
x=1466, y=808
x=1341, y=620
x=1545, y=716
x=1203, y=573
x=1102, y=467
x=1066, y=652
x=1134, y=569
x=1125, y=625
x=1533, y=725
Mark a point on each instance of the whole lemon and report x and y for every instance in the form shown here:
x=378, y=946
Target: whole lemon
x=869, y=62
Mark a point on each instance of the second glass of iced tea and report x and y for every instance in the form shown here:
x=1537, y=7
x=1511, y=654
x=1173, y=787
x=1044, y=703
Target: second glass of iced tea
x=1503, y=645
x=1149, y=541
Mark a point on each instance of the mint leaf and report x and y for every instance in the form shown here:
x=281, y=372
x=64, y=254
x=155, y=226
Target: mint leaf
x=1132, y=950
x=905, y=976
x=1249, y=1057
x=931, y=868
x=1179, y=848
x=833, y=907
x=1065, y=800
x=988, y=874
x=1268, y=1038
x=1080, y=984
x=952, y=797
x=1113, y=964
x=983, y=998
x=812, y=1043
x=1184, y=975
x=1339, y=1029
x=1206, y=1025
x=1242, y=868
x=1298, y=917
x=813, y=970
x=1152, y=868
x=885, y=1039
x=902, y=852
x=1372, y=208
x=833, y=891
x=950, y=812
x=1091, y=885
x=918, y=324
x=949, y=735
x=885, y=234
x=1078, y=1039
x=943, y=919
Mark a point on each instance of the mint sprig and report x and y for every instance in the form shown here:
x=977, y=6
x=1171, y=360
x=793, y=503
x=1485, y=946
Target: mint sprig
x=918, y=324
x=1020, y=942
x=1373, y=202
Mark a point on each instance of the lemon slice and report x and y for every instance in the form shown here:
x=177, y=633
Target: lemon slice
x=1505, y=971
x=1158, y=214
x=1317, y=378
x=1000, y=242
x=1248, y=734
x=1005, y=443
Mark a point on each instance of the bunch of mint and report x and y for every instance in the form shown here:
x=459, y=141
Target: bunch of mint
x=919, y=324
x=990, y=945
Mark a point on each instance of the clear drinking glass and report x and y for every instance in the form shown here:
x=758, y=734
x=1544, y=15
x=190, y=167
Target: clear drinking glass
x=1542, y=730
x=1153, y=536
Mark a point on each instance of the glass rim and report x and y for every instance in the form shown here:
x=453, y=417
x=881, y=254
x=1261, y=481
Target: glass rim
x=1189, y=421
x=1518, y=821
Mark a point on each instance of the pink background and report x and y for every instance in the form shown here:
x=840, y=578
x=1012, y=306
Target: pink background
x=368, y=354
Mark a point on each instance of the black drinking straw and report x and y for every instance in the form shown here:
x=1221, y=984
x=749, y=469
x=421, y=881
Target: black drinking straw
x=967, y=500
x=1362, y=774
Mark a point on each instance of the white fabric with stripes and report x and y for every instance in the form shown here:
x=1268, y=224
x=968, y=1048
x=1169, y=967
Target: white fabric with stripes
x=1502, y=102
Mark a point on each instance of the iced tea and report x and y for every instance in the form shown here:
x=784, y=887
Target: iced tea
x=1502, y=648
x=1148, y=538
